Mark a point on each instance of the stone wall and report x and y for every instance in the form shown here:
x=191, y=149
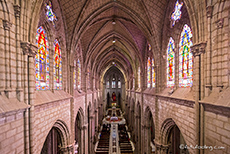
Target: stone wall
x=12, y=132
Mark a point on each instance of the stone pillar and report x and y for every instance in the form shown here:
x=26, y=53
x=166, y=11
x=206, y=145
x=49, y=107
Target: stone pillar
x=208, y=84
x=7, y=25
x=19, y=90
x=197, y=50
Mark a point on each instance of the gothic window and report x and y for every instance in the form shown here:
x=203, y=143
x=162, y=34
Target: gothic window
x=139, y=77
x=176, y=15
x=119, y=84
x=148, y=73
x=75, y=75
x=88, y=72
x=171, y=63
x=57, y=66
x=185, y=58
x=107, y=84
x=42, y=60
x=50, y=15
x=153, y=74
x=113, y=84
x=78, y=74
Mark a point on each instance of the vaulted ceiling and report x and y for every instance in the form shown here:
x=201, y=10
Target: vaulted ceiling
x=113, y=31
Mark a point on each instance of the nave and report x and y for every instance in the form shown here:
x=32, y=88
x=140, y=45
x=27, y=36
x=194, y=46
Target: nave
x=114, y=137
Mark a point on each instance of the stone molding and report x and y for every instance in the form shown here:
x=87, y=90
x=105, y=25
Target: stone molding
x=198, y=49
x=187, y=103
x=29, y=49
x=17, y=10
x=221, y=110
x=220, y=23
x=6, y=24
x=209, y=10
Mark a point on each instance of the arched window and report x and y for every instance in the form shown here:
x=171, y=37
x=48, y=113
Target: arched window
x=78, y=74
x=171, y=63
x=153, y=74
x=148, y=73
x=75, y=74
x=139, y=77
x=42, y=60
x=185, y=58
x=57, y=66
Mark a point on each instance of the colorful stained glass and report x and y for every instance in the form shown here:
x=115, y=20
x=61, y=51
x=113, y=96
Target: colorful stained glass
x=50, y=15
x=75, y=75
x=153, y=74
x=176, y=15
x=57, y=66
x=149, y=73
x=149, y=47
x=78, y=74
x=42, y=60
x=185, y=58
x=139, y=77
x=171, y=63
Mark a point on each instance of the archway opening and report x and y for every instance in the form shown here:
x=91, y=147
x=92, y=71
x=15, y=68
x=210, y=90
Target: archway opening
x=53, y=142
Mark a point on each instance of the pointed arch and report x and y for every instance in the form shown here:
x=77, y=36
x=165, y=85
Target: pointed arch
x=171, y=63
x=42, y=60
x=185, y=58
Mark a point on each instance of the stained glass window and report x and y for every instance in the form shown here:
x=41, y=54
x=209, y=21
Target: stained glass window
x=133, y=83
x=171, y=63
x=176, y=15
x=57, y=66
x=50, y=15
x=75, y=75
x=42, y=60
x=119, y=84
x=149, y=73
x=89, y=84
x=113, y=84
x=139, y=77
x=78, y=74
x=153, y=74
x=107, y=84
x=185, y=58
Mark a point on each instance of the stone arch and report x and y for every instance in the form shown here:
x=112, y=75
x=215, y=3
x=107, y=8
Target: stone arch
x=149, y=130
x=138, y=128
x=171, y=137
x=61, y=130
x=78, y=131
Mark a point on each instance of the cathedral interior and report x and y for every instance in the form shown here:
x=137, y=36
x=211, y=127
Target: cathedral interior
x=115, y=76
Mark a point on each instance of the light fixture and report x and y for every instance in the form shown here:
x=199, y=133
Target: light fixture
x=113, y=63
x=114, y=41
x=113, y=22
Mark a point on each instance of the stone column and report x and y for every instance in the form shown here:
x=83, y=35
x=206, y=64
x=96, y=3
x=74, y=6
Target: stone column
x=208, y=81
x=30, y=50
x=7, y=25
x=19, y=90
x=197, y=50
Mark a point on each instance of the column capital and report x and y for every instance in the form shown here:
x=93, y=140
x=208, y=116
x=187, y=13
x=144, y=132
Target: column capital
x=198, y=49
x=29, y=49
x=6, y=24
x=209, y=10
x=17, y=10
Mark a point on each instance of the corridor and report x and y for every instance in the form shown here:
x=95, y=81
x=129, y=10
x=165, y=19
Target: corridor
x=114, y=137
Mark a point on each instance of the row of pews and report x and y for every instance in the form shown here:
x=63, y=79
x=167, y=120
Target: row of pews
x=103, y=144
x=124, y=141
